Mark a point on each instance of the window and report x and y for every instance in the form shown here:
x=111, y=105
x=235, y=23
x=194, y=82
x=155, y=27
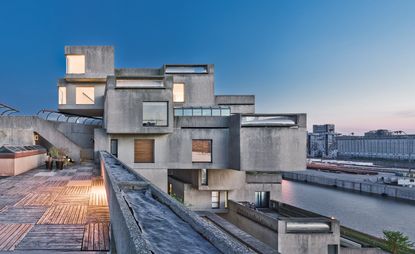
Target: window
x=85, y=95
x=215, y=199
x=75, y=64
x=114, y=147
x=204, y=176
x=144, y=151
x=262, y=199
x=178, y=92
x=155, y=113
x=201, y=150
x=62, y=95
x=140, y=83
x=332, y=249
x=226, y=199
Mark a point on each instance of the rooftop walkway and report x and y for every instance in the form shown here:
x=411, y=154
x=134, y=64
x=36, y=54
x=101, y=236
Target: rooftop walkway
x=44, y=211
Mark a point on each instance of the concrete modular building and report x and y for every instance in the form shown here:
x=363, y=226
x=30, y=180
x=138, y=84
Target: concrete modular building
x=168, y=125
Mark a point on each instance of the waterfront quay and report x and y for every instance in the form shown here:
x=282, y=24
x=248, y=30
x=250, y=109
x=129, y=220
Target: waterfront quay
x=360, y=183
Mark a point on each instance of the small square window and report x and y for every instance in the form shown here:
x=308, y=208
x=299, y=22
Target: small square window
x=75, y=64
x=201, y=150
x=178, y=92
x=85, y=95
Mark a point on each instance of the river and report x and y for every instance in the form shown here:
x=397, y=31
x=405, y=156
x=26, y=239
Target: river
x=367, y=213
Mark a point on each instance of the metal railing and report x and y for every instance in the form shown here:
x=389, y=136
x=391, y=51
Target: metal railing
x=52, y=115
x=6, y=110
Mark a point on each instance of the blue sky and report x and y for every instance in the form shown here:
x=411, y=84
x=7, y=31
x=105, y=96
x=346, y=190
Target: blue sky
x=351, y=63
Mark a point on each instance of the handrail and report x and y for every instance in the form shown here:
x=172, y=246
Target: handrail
x=7, y=109
x=67, y=117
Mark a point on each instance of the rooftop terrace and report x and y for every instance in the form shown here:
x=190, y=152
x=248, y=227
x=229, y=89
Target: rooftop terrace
x=44, y=211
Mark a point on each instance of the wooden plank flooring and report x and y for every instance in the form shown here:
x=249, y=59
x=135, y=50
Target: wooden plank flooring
x=60, y=211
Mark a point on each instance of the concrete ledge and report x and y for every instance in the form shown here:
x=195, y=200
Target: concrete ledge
x=127, y=235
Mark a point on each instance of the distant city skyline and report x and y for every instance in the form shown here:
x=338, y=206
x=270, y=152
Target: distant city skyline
x=350, y=63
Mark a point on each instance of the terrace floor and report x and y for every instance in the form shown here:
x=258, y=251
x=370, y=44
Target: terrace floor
x=45, y=211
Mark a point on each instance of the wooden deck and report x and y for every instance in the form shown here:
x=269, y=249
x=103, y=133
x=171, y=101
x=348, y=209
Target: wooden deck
x=45, y=211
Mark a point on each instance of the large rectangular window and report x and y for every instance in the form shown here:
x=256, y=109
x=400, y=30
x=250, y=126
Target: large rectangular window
x=114, y=147
x=62, y=95
x=201, y=150
x=85, y=95
x=204, y=176
x=144, y=151
x=75, y=64
x=215, y=199
x=178, y=92
x=155, y=113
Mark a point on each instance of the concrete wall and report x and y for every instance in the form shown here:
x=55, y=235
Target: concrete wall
x=99, y=61
x=16, y=166
x=124, y=108
x=273, y=149
x=239, y=104
x=175, y=150
x=19, y=130
x=350, y=185
x=266, y=234
x=311, y=243
x=187, y=185
x=198, y=88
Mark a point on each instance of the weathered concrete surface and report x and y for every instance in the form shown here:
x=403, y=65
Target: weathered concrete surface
x=242, y=236
x=272, y=230
x=19, y=130
x=128, y=237
x=239, y=104
x=353, y=185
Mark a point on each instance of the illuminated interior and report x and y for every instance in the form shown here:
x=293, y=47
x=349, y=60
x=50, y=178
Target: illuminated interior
x=62, y=95
x=75, y=64
x=178, y=92
x=85, y=95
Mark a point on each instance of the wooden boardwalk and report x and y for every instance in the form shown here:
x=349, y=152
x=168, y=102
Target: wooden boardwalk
x=45, y=211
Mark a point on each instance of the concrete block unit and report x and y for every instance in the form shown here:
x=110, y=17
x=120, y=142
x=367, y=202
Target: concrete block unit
x=82, y=89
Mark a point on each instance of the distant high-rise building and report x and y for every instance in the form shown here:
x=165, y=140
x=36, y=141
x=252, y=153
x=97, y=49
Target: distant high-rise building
x=322, y=141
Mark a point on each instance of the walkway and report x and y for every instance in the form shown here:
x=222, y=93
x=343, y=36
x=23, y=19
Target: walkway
x=54, y=211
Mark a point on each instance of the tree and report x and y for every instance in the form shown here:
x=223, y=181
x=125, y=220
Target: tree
x=397, y=242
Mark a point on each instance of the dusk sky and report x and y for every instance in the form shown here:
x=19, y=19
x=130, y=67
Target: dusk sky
x=351, y=63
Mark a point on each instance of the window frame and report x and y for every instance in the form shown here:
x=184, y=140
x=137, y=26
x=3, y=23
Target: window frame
x=211, y=150
x=167, y=114
x=153, y=150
